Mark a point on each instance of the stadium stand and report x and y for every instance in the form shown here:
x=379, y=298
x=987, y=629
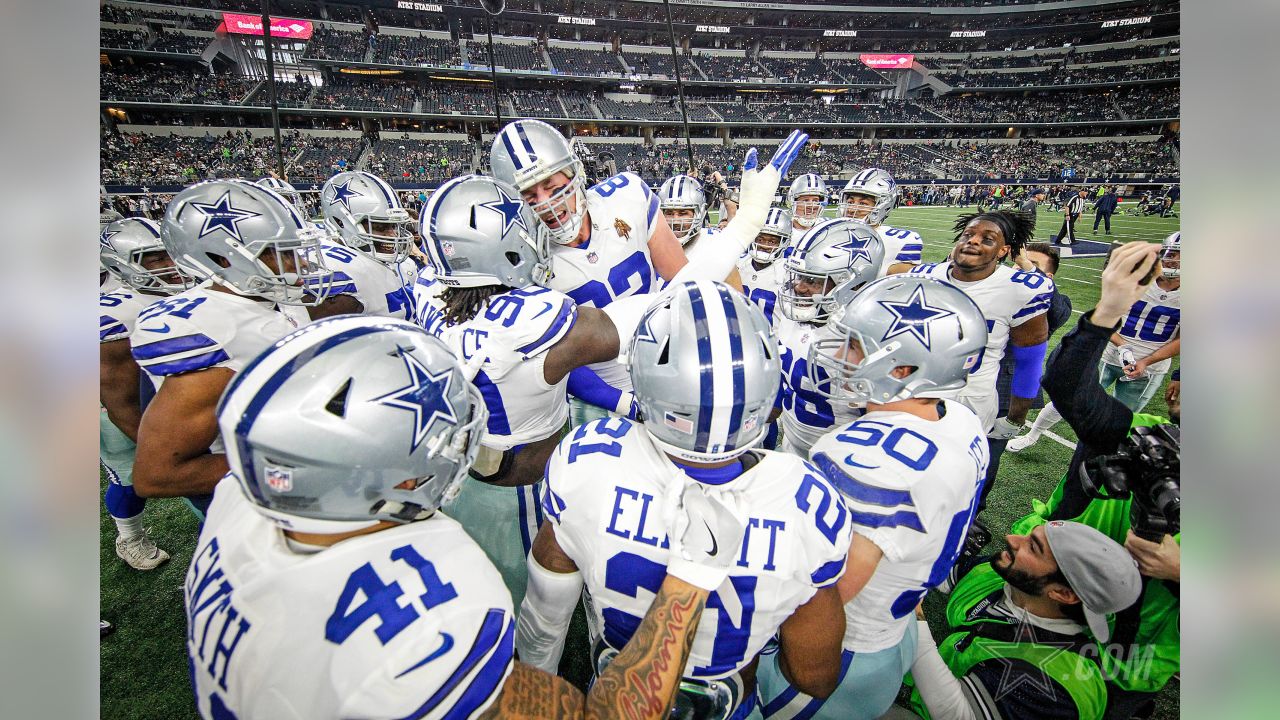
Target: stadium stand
x=415, y=50
x=580, y=61
x=506, y=55
x=163, y=83
x=408, y=160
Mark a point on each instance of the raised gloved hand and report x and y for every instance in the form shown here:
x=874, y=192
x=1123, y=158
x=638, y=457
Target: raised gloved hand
x=705, y=530
x=760, y=185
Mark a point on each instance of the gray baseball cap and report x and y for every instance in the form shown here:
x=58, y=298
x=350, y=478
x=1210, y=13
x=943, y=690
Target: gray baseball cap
x=1100, y=571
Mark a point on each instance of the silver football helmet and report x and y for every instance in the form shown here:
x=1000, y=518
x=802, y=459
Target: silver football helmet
x=705, y=370
x=876, y=184
x=123, y=247
x=777, y=227
x=325, y=428
x=285, y=190
x=683, y=192
x=807, y=197
x=525, y=153
x=246, y=227
x=476, y=231
x=366, y=215
x=835, y=257
x=1171, y=255
x=900, y=320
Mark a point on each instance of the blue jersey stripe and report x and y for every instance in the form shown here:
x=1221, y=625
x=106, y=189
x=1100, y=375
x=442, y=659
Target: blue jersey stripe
x=198, y=362
x=522, y=519
x=498, y=423
x=824, y=575
x=653, y=211
x=706, y=388
x=172, y=346
x=901, y=518
x=851, y=487
x=488, y=681
x=490, y=635
x=110, y=330
x=566, y=316
x=1032, y=309
x=739, y=370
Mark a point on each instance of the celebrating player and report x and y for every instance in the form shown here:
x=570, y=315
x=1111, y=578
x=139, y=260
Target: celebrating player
x=325, y=584
x=684, y=204
x=807, y=198
x=870, y=196
x=910, y=470
x=761, y=273
x=705, y=370
x=253, y=253
x=131, y=252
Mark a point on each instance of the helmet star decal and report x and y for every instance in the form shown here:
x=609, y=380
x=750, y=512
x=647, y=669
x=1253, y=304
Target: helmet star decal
x=105, y=238
x=913, y=316
x=426, y=396
x=342, y=193
x=222, y=216
x=509, y=208
x=856, y=246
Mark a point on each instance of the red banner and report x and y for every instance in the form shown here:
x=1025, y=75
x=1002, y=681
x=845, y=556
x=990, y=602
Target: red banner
x=889, y=61
x=280, y=27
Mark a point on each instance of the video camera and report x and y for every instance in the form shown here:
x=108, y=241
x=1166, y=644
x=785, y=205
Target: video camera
x=711, y=189
x=1147, y=467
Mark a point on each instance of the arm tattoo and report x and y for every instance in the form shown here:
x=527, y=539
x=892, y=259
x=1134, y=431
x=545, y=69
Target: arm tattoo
x=641, y=681
x=531, y=694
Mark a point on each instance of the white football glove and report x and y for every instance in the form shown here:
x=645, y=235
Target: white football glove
x=1004, y=430
x=1127, y=357
x=759, y=186
x=705, y=530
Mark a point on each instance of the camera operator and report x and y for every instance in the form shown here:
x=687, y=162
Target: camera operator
x=1123, y=480
x=1018, y=647
x=719, y=197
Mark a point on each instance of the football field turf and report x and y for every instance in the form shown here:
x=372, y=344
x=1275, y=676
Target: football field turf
x=144, y=665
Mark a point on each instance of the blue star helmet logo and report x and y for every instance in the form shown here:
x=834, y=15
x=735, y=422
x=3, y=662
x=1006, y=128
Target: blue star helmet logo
x=105, y=238
x=342, y=194
x=857, y=248
x=426, y=396
x=509, y=208
x=221, y=215
x=913, y=316
x=644, y=333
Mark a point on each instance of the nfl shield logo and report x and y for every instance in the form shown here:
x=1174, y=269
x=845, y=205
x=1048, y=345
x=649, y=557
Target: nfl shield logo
x=750, y=423
x=592, y=257
x=279, y=479
x=447, y=248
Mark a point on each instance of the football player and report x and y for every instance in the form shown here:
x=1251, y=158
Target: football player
x=705, y=370
x=684, y=204
x=761, y=273
x=807, y=198
x=372, y=273
x=286, y=190
x=827, y=266
x=325, y=584
x=523, y=342
x=608, y=241
x=1014, y=302
x=131, y=252
x=1141, y=352
x=253, y=254
x=870, y=196
x=909, y=469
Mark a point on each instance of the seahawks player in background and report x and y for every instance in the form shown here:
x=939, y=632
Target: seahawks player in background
x=1014, y=303
x=252, y=253
x=608, y=241
x=684, y=204
x=1142, y=350
x=524, y=343
x=705, y=371
x=327, y=584
x=910, y=470
x=131, y=252
x=870, y=196
x=807, y=198
x=761, y=273
x=833, y=260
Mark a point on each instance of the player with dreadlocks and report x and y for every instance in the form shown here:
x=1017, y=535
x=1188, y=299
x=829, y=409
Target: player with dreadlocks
x=1014, y=303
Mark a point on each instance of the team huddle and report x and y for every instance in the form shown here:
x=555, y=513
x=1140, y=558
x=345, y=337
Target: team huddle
x=749, y=448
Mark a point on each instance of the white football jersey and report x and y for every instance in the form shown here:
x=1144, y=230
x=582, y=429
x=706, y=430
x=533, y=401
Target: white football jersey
x=108, y=283
x=605, y=494
x=413, y=621
x=1152, y=322
x=1007, y=298
x=428, y=308
x=514, y=333
x=614, y=262
x=900, y=246
x=203, y=328
x=761, y=286
x=912, y=488
x=118, y=313
x=379, y=288
x=806, y=415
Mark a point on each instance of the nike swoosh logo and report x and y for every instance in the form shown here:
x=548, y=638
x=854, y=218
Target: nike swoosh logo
x=715, y=546
x=445, y=646
x=545, y=307
x=850, y=461
x=162, y=329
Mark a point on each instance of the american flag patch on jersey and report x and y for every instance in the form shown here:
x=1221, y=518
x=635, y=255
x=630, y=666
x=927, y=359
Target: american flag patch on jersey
x=279, y=479
x=676, y=422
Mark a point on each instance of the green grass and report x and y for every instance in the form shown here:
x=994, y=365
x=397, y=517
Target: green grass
x=143, y=664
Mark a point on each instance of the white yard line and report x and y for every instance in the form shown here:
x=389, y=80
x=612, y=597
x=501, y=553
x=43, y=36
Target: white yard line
x=1059, y=439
